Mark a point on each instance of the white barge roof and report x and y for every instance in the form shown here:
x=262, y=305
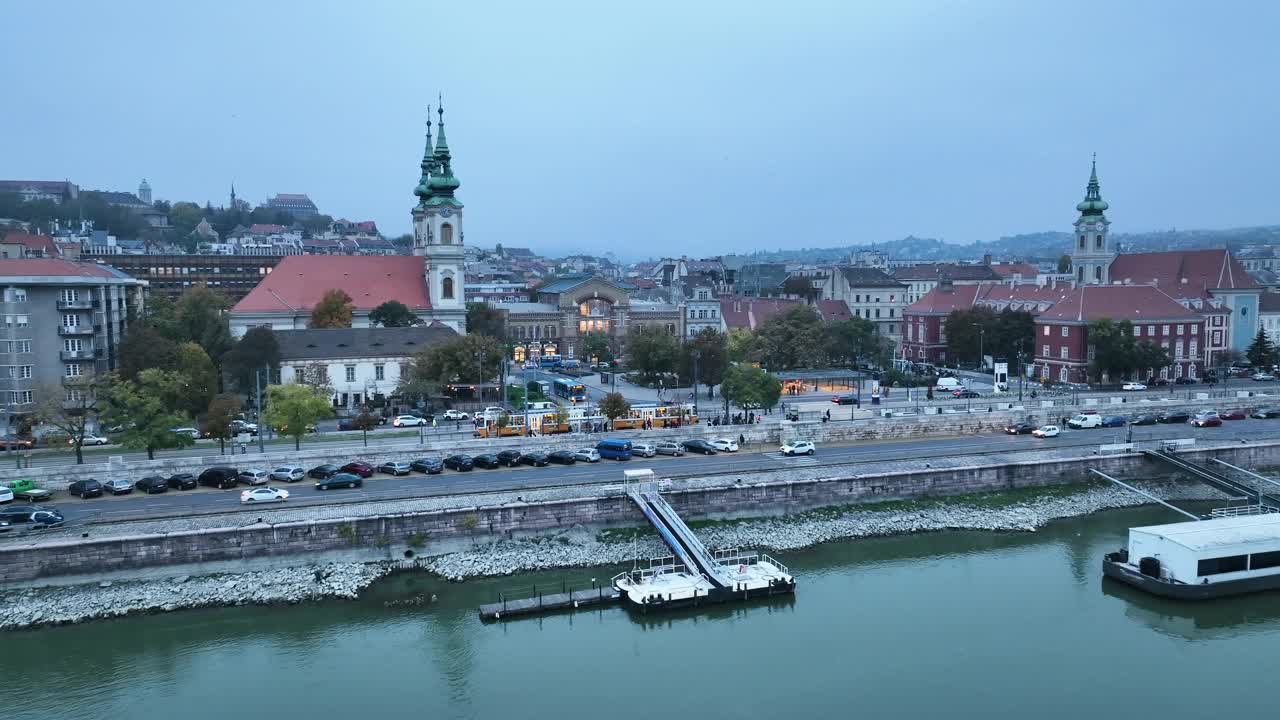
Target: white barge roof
x=1218, y=532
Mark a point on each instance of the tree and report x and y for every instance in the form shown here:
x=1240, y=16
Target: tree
x=792, y=339
x=1261, y=353
x=199, y=377
x=142, y=347
x=464, y=359
x=199, y=317
x=1113, y=348
x=333, y=311
x=712, y=349
x=743, y=346
x=597, y=345
x=162, y=314
x=184, y=217
x=143, y=408
x=1149, y=357
x=258, y=349
x=747, y=386
x=849, y=341
x=651, y=351
x=291, y=408
x=485, y=320
x=72, y=408
x=981, y=330
x=614, y=406
x=218, y=417
x=1064, y=263
x=393, y=313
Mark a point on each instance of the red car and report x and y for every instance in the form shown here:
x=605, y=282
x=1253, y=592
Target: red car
x=1206, y=419
x=1233, y=414
x=357, y=467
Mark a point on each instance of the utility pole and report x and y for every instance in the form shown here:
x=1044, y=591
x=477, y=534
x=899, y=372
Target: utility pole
x=695, y=355
x=262, y=425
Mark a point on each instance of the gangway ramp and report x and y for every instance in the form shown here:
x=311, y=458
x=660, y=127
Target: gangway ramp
x=684, y=544
x=1214, y=479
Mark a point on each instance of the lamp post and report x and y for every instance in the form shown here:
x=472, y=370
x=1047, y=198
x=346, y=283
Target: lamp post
x=695, y=355
x=262, y=425
x=982, y=337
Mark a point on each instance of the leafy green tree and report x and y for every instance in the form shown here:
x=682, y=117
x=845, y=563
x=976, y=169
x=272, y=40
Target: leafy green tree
x=1149, y=357
x=142, y=347
x=651, y=351
x=200, y=379
x=983, y=330
x=1261, y=353
x=144, y=409
x=393, y=313
x=1064, y=263
x=1113, y=348
x=72, y=407
x=258, y=349
x=614, y=406
x=200, y=317
x=333, y=311
x=747, y=386
x=791, y=339
x=712, y=348
x=218, y=417
x=315, y=225
x=597, y=345
x=743, y=346
x=291, y=408
x=162, y=314
x=485, y=320
x=184, y=216
x=464, y=359
x=849, y=341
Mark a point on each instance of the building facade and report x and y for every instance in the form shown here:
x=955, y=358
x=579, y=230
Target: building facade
x=871, y=294
x=170, y=275
x=701, y=308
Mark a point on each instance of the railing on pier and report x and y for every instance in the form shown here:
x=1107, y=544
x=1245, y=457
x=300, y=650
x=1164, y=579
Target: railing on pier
x=1243, y=510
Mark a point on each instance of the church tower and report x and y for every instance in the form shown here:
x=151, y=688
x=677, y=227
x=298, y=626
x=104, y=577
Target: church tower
x=437, y=230
x=1091, y=250
x=144, y=192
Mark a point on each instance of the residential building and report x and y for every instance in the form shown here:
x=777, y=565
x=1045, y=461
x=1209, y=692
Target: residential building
x=357, y=365
x=58, y=191
x=759, y=279
x=924, y=333
x=869, y=293
x=701, y=307
x=748, y=313
x=920, y=278
x=296, y=204
x=25, y=245
x=1269, y=316
x=61, y=321
x=170, y=275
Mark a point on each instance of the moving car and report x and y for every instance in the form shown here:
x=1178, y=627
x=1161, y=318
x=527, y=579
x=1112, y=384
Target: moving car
x=254, y=476
x=320, y=472
x=90, y=439
x=725, y=445
x=799, y=447
x=428, y=465
x=1112, y=421
x=152, y=484
x=1046, y=431
x=219, y=477
x=1133, y=386
x=488, y=461
x=1145, y=419
x=459, y=462
x=844, y=399
x=1019, y=428
x=1083, y=421
x=1263, y=377
x=949, y=383
x=452, y=414
x=1236, y=414
x=1266, y=413
x=118, y=486
x=589, y=455
x=562, y=457
x=357, y=467
x=643, y=449
x=242, y=426
x=82, y=488
x=193, y=433
x=1174, y=417
x=408, y=421
x=395, y=467
x=264, y=494
x=536, y=458
x=18, y=442
x=33, y=516
x=668, y=447
x=182, y=481
x=966, y=393
x=347, y=423
x=510, y=458
x=288, y=473
x=699, y=446
x=1206, y=419
x=1185, y=381
x=341, y=480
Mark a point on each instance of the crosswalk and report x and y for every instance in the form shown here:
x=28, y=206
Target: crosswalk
x=793, y=459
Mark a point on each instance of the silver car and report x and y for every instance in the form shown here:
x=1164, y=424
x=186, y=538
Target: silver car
x=587, y=455
x=395, y=467
x=667, y=447
x=253, y=476
x=288, y=473
x=643, y=449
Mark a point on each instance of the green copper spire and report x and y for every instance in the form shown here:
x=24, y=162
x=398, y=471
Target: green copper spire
x=423, y=190
x=1093, y=204
x=442, y=147
x=443, y=183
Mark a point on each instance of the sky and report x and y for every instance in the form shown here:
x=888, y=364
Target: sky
x=664, y=128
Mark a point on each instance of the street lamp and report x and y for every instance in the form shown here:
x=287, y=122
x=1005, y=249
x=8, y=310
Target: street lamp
x=695, y=355
x=982, y=336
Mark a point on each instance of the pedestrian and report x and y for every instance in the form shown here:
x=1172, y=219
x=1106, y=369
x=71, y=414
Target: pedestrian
x=757, y=419
x=742, y=439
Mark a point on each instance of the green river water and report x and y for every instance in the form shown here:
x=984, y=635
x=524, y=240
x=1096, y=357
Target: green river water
x=959, y=624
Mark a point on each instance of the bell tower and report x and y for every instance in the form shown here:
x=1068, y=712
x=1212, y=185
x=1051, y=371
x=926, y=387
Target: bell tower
x=437, y=230
x=1091, y=249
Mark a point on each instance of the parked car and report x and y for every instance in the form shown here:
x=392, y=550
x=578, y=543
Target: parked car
x=27, y=490
x=1083, y=421
x=395, y=467
x=488, y=461
x=288, y=473
x=699, y=446
x=263, y=494
x=1133, y=386
x=799, y=447
x=340, y=480
x=1266, y=413
x=6, y=495
x=1174, y=417
x=243, y=426
x=1019, y=428
x=1145, y=419
x=1263, y=377
x=357, y=467
x=1185, y=381
x=668, y=447
x=34, y=517
x=1236, y=414
x=82, y=489
x=254, y=476
x=320, y=472
x=181, y=481
x=510, y=458
x=725, y=444
x=459, y=462
x=452, y=414
x=152, y=484
x=348, y=423
x=536, y=458
x=643, y=449
x=193, y=433
x=1046, y=431
x=89, y=439
x=966, y=393
x=562, y=457
x=219, y=477
x=17, y=442
x=118, y=486
x=428, y=465
x=408, y=421
x=1112, y=421
x=844, y=399
x=1206, y=419
x=588, y=455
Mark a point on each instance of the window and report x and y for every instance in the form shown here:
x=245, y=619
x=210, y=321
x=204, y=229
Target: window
x=74, y=370
x=1180, y=329
x=1261, y=561
x=1046, y=331
x=22, y=346
x=1164, y=329
x=15, y=295
x=1137, y=331
x=20, y=321
x=1151, y=330
x=1193, y=347
x=1195, y=329
x=446, y=234
x=379, y=372
x=1065, y=332
x=857, y=298
x=1044, y=351
x=24, y=372
x=1177, y=349
x=351, y=373
x=1097, y=242
x=691, y=313
x=1097, y=273
x=70, y=321
x=24, y=397
x=446, y=287
x=1063, y=375
x=1062, y=352
x=1217, y=566
x=72, y=344
x=70, y=295
x=1081, y=244
x=890, y=313
x=910, y=332
x=1079, y=277
x=877, y=313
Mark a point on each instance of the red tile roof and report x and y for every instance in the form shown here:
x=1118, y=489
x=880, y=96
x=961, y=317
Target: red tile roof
x=1137, y=303
x=945, y=271
x=833, y=310
x=265, y=228
x=944, y=299
x=1184, y=273
x=750, y=313
x=1026, y=270
x=1031, y=298
x=47, y=267
x=299, y=281
x=35, y=243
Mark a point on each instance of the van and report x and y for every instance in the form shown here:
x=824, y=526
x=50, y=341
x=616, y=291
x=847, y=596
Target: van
x=949, y=384
x=614, y=449
x=1090, y=420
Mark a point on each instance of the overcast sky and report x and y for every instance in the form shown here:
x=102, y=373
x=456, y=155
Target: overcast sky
x=664, y=128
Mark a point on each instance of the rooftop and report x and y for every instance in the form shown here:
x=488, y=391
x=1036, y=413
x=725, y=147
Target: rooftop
x=1219, y=532
x=946, y=271
x=1184, y=273
x=860, y=277
x=56, y=269
x=1137, y=303
x=299, y=281
x=326, y=343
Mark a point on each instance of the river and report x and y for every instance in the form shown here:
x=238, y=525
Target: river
x=959, y=624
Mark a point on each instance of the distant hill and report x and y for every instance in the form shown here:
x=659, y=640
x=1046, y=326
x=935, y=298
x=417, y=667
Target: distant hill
x=1044, y=246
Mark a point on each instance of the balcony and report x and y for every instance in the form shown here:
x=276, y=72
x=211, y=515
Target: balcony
x=76, y=331
x=81, y=354
x=81, y=304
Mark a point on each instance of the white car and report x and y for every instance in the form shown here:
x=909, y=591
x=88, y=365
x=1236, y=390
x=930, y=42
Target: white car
x=590, y=454
x=253, y=476
x=725, y=445
x=193, y=432
x=492, y=412
x=6, y=495
x=800, y=447
x=1133, y=386
x=452, y=414
x=289, y=473
x=90, y=439
x=643, y=449
x=1263, y=377
x=1046, y=431
x=264, y=494
x=408, y=421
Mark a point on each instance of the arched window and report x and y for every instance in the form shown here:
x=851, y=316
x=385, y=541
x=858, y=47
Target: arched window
x=1097, y=273
x=1082, y=242
x=1080, y=273
x=1063, y=376
x=446, y=234
x=1098, y=242
x=446, y=287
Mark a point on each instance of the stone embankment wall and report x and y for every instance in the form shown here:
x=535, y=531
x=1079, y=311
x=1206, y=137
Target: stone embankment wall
x=982, y=417
x=382, y=537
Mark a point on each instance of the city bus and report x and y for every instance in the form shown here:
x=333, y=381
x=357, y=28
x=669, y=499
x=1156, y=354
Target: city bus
x=549, y=361
x=570, y=390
